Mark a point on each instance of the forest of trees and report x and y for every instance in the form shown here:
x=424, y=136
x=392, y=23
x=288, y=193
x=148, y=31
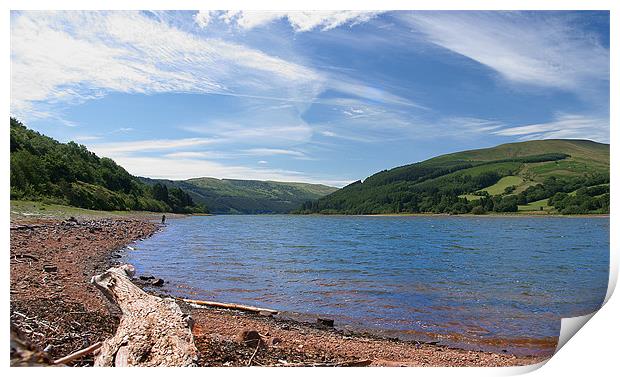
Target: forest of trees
x=43, y=169
x=585, y=200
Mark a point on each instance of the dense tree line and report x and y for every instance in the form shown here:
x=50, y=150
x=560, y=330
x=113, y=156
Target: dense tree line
x=436, y=195
x=585, y=200
x=553, y=185
x=43, y=169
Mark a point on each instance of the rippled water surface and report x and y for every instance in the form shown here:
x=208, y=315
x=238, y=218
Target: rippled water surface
x=495, y=282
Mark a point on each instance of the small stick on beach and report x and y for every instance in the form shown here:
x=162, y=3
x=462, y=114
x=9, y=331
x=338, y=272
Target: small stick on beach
x=352, y=363
x=254, y=354
x=78, y=354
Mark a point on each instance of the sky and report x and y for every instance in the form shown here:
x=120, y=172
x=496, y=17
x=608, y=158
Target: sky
x=321, y=97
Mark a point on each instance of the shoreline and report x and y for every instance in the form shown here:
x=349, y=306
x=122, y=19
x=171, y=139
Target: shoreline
x=66, y=311
x=486, y=215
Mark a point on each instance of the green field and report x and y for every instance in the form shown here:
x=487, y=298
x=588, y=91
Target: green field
x=500, y=186
x=470, y=197
x=524, y=186
x=579, y=150
x=536, y=206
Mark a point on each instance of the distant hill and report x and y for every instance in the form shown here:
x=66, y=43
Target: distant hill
x=235, y=196
x=43, y=169
x=554, y=176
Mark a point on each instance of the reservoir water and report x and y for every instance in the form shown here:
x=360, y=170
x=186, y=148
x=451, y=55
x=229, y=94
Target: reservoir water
x=492, y=283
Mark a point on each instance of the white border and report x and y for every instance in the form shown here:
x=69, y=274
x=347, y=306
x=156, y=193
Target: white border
x=595, y=350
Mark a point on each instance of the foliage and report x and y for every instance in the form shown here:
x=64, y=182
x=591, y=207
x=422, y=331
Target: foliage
x=586, y=200
x=69, y=174
x=553, y=185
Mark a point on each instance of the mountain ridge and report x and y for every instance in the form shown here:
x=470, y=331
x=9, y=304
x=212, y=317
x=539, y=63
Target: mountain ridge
x=457, y=182
x=239, y=196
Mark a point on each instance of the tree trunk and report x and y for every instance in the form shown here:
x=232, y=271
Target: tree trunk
x=152, y=331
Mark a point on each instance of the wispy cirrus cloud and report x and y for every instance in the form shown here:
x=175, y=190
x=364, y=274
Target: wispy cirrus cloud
x=216, y=154
x=83, y=138
x=68, y=57
x=564, y=126
x=274, y=152
x=129, y=147
x=257, y=131
x=184, y=158
x=198, y=155
x=537, y=49
x=64, y=58
x=185, y=168
x=300, y=21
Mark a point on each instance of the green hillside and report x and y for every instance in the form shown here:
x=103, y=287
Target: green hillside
x=505, y=178
x=234, y=196
x=43, y=169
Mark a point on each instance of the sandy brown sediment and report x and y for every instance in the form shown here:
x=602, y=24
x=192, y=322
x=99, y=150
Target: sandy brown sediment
x=291, y=343
x=54, y=304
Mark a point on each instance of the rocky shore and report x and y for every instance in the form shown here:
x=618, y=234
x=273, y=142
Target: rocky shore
x=55, y=308
x=53, y=304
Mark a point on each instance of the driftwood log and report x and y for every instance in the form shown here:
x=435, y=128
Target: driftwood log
x=152, y=331
x=225, y=305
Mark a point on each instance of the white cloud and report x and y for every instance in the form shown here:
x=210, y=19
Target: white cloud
x=252, y=126
x=300, y=21
x=242, y=153
x=466, y=125
x=184, y=168
x=123, y=148
x=361, y=90
x=262, y=162
x=60, y=58
x=536, y=49
x=161, y=167
x=197, y=155
x=82, y=138
x=273, y=152
x=564, y=126
x=68, y=57
x=203, y=18
x=361, y=121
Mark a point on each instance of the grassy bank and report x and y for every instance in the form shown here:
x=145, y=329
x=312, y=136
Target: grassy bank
x=24, y=210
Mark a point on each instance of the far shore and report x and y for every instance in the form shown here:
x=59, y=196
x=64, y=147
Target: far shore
x=35, y=210
x=507, y=214
x=493, y=214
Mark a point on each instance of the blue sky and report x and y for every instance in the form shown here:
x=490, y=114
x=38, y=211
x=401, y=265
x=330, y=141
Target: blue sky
x=325, y=97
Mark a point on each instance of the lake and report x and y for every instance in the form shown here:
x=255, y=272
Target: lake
x=491, y=283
